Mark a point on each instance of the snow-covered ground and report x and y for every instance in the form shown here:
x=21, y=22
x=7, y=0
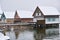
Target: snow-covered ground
x=2, y=37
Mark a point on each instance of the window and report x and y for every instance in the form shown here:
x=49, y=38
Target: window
x=51, y=19
x=38, y=14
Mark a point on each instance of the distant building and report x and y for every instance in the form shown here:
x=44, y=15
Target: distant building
x=24, y=16
x=2, y=18
x=49, y=14
x=18, y=16
x=9, y=17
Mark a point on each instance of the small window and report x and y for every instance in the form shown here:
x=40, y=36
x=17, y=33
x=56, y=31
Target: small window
x=53, y=19
x=38, y=14
x=49, y=19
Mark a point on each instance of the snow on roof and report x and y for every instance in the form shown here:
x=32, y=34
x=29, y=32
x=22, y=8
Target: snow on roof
x=21, y=14
x=25, y=14
x=9, y=14
x=47, y=10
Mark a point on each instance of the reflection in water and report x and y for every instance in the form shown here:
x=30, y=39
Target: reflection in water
x=16, y=34
x=11, y=34
x=21, y=35
x=39, y=35
x=25, y=35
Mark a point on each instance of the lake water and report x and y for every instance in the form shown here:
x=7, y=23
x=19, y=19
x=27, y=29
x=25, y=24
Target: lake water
x=31, y=34
x=21, y=35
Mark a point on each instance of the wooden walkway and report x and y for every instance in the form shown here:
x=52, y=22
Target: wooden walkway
x=13, y=24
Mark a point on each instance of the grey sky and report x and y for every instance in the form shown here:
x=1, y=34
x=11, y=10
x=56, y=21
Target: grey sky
x=12, y=5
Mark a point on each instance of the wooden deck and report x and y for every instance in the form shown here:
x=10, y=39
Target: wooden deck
x=13, y=24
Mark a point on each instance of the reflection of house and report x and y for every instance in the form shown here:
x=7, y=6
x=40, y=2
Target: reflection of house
x=49, y=14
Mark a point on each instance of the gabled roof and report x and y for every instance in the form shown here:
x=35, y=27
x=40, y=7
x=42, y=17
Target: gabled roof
x=16, y=15
x=21, y=14
x=9, y=14
x=25, y=14
x=46, y=10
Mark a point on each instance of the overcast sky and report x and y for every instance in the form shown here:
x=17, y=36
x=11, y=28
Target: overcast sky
x=29, y=5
